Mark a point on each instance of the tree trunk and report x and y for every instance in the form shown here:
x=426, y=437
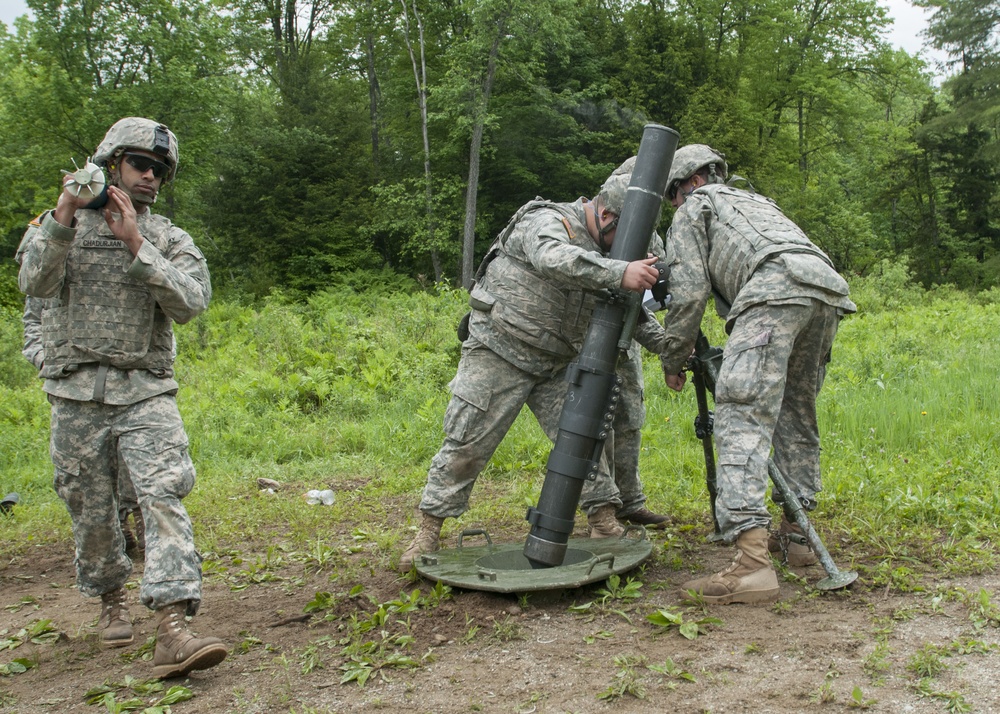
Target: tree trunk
x=373, y=96
x=472, y=189
x=469, y=232
x=420, y=77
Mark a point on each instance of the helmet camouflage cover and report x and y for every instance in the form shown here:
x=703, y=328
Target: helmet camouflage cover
x=689, y=159
x=612, y=195
x=139, y=133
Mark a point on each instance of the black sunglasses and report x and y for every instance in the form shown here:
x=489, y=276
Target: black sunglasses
x=142, y=164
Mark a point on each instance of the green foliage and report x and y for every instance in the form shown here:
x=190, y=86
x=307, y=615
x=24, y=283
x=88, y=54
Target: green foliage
x=18, y=665
x=927, y=662
x=399, y=221
x=347, y=390
x=131, y=690
x=38, y=632
x=615, y=589
x=614, y=593
x=670, y=618
x=888, y=286
x=375, y=642
x=626, y=681
x=876, y=663
x=983, y=612
x=954, y=702
x=299, y=238
x=11, y=298
x=16, y=373
x=673, y=671
x=507, y=630
x=858, y=700
x=306, y=157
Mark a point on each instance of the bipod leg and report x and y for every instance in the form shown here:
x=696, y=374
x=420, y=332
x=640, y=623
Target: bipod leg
x=835, y=579
x=704, y=366
x=703, y=428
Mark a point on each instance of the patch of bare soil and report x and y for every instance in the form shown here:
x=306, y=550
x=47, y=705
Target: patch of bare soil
x=482, y=652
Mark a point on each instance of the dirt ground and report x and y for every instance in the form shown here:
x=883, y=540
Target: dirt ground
x=865, y=648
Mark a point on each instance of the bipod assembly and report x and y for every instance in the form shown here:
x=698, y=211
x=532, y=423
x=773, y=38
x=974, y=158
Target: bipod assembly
x=704, y=366
x=835, y=578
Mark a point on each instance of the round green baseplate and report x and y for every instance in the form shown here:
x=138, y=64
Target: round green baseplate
x=504, y=569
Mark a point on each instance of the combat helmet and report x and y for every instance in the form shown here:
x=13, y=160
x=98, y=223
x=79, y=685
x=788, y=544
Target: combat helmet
x=689, y=159
x=139, y=133
x=612, y=194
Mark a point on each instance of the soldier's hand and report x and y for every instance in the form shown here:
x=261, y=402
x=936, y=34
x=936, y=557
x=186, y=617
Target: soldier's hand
x=676, y=381
x=640, y=275
x=121, y=217
x=65, y=211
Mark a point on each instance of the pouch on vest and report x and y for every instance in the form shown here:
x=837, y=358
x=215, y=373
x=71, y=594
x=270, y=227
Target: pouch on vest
x=810, y=270
x=480, y=299
x=463, y=327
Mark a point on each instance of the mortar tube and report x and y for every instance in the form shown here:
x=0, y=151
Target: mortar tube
x=588, y=412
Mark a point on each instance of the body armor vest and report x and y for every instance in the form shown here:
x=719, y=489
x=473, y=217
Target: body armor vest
x=746, y=230
x=102, y=315
x=527, y=306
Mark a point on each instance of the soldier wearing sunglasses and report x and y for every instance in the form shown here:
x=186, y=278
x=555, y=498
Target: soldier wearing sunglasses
x=114, y=278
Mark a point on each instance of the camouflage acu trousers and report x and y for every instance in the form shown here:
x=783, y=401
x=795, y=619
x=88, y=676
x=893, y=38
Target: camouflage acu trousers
x=147, y=441
x=488, y=393
x=624, y=449
x=772, y=369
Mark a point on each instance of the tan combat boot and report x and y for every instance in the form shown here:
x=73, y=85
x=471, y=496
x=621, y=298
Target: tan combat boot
x=749, y=578
x=791, y=540
x=178, y=651
x=427, y=540
x=603, y=524
x=114, y=623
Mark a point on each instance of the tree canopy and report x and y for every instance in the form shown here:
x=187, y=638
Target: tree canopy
x=350, y=141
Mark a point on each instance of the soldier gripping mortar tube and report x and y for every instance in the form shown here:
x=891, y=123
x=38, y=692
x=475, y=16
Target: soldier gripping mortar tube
x=530, y=308
x=782, y=301
x=588, y=410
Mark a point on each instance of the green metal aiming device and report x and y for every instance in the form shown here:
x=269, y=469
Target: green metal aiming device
x=704, y=366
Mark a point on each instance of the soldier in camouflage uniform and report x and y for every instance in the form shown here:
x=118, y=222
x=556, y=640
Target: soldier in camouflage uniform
x=114, y=280
x=129, y=513
x=624, y=447
x=531, y=307
x=782, y=300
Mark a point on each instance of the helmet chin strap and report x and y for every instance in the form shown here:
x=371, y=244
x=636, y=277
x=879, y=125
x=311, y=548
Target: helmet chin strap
x=603, y=232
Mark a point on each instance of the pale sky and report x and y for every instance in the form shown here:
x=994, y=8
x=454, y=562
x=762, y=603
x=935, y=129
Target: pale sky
x=9, y=9
x=909, y=22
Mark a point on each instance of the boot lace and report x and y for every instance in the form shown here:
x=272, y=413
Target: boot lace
x=113, y=608
x=174, y=621
x=113, y=602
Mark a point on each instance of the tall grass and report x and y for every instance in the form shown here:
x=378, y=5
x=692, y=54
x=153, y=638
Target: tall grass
x=347, y=391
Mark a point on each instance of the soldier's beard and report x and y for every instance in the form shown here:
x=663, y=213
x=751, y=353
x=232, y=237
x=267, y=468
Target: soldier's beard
x=143, y=198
